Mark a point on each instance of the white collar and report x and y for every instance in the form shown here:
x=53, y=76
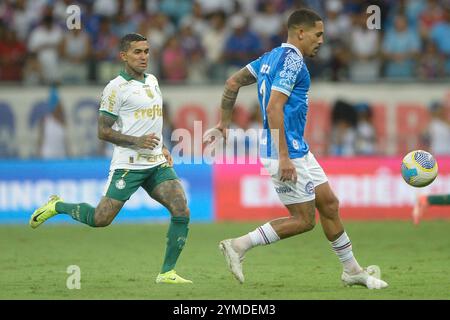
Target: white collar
x=293, y=47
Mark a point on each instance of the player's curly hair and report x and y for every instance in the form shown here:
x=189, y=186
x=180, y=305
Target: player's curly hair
x=126, y=40
x=304, y=17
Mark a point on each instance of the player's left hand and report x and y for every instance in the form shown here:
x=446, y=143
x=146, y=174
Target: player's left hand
x=168, y=156
x=214, y=134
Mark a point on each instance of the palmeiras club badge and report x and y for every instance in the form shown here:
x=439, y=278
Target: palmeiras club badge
x=120, y=184
x=149, y=91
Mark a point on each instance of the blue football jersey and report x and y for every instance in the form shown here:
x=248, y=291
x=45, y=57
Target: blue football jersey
x=283, y=69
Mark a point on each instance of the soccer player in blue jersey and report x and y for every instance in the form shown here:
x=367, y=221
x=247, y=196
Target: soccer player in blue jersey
x=283, y=82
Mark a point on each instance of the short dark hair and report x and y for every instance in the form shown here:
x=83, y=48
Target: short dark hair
x=303, y=16
x=126, y=40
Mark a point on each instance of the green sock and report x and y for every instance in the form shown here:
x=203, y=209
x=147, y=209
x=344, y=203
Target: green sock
x=82, y=212
x=439, y=200
x=176, y=238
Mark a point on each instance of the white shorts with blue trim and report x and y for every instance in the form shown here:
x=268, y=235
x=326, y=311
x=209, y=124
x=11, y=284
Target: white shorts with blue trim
x=309, y=175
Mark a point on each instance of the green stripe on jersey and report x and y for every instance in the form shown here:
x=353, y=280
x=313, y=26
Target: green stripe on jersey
x=109, y=114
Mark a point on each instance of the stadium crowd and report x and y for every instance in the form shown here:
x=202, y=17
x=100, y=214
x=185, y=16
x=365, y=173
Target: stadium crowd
x=200, y=41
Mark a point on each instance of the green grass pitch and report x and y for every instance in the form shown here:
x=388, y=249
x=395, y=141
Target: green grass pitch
x=122, y=261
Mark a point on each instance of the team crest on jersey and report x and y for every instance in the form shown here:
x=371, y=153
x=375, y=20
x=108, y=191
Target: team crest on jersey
x=309, y=188
x=149, y=91
x=120, y=184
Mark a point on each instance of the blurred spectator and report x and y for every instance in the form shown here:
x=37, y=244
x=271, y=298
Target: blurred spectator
x=214, y=41
x=440, y=35
x=365, y=131
x=196, y=20
x=210, y=6
x=45, y=41
x=334, y=54
x=90, y=21
x=174, y=62
x=105, y=51
x=60, y=9
x=176, y=9
x=75, y=50
x=108, y=8
x=338, y=24
x=33, y=71
x=266, y=22
x=12, y=55
x=190, y=42
x=157, y=29
x=242, y=46
x=400, y=47
x=7, y=132
x=431, y=62
x=430, y=16
x=439, y=130
x=123, y=25
x=23, y=19
x=86, y=112
x=365, y=46
x=343, y=133
x=197, y=67
x=52, y=140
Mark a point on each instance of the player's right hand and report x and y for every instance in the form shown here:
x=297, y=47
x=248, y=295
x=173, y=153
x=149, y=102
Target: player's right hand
x=148, y=141
x=287, y=170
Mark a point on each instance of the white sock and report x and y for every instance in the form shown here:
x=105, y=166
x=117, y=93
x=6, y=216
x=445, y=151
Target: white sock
x=261, y=236
x=342, y=246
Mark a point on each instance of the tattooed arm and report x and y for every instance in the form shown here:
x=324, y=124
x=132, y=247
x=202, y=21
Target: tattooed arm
x=240, y=79
x=107, y=133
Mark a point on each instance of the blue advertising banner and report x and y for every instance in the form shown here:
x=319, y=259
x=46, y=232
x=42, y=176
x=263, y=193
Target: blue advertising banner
x=26, y=185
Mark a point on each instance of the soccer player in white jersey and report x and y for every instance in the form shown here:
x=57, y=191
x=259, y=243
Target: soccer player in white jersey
x=131, y=118
x=283, y=82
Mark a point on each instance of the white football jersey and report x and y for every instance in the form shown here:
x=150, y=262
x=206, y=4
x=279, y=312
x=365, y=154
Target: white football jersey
x=137, y=107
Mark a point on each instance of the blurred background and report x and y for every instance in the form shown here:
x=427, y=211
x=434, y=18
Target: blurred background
x=375, y=95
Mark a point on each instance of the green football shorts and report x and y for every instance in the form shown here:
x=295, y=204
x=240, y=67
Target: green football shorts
x=123, y=182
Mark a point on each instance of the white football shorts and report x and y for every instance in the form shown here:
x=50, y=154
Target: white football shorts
x=309, y=175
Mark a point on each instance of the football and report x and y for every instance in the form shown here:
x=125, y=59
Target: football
x=419, y=168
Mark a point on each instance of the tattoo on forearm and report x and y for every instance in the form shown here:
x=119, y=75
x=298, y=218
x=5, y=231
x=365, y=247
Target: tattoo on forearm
x=242, y=78
x=229, y=98
x=105, y=132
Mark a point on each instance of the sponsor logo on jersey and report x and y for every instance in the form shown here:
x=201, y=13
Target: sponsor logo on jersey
x=283, y=189
x=148, y=113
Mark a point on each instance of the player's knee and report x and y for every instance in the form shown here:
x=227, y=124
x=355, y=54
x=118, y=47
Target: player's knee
x=304, y=224
x=330, y=207
x=181, y=212
x=102, y=220
x=309, y=224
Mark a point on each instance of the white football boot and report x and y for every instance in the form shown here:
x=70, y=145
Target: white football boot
x=234, y=261
x=368, y=277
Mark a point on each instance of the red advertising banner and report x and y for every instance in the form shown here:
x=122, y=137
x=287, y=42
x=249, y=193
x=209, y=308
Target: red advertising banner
x=367, y=188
